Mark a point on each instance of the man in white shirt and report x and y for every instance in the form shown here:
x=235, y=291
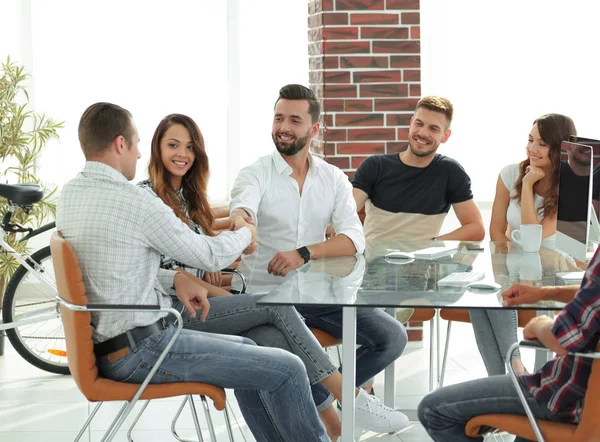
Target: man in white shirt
x=119, y=232
x=292, y=197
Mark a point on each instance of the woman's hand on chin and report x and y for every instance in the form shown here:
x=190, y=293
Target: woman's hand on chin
x=532, y=175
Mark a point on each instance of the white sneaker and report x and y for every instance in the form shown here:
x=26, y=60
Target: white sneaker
x=372, y=415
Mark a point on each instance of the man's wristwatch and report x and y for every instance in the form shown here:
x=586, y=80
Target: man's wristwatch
x=304, y=253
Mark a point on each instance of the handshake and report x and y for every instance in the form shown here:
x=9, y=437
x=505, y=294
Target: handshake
x=239, y=219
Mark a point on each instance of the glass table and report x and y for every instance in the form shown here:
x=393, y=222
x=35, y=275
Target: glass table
x=376, y=281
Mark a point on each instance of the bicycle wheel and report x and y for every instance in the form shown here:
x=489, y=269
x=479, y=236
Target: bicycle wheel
x=40, y=342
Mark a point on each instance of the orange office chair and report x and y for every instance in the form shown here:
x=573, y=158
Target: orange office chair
x=588, y=429
x=76, y=317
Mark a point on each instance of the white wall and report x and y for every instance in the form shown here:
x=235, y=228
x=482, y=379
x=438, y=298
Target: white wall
x=9, y=31
x=154, y=58
x=274, y=52
x=518, y=60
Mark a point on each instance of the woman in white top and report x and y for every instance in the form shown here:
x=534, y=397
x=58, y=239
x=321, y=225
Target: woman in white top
x=526, y=193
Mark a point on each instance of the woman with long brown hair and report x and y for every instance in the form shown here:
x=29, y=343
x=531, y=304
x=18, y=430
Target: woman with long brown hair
x=526, y=193
x=178, y=171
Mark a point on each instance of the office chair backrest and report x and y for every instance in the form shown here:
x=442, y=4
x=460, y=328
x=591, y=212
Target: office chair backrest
x=77, y=325
x=589, y=427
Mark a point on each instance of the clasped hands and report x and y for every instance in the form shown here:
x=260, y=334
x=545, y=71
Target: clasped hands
x=239, y=219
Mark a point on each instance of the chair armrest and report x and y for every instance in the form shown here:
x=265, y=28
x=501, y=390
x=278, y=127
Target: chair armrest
x=129, y=308
x=238, y=273
x=515, y=380
x=539, y=346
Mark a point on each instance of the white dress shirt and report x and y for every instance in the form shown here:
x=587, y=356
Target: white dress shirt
x=287, y=220
x=119, y=232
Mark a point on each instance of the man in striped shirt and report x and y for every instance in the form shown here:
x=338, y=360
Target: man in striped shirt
x=556, y=392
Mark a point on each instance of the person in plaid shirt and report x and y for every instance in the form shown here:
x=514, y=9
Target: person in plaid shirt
x=556, y=392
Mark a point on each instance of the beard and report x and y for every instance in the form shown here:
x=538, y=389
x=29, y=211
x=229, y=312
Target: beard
x=582, y=161
x=293, y=147
x=421, y=153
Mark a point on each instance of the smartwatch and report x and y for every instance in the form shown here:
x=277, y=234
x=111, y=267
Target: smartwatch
x=304, y=253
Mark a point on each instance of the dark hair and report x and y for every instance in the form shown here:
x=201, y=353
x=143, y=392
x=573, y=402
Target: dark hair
x=437, y=104
x=194, y=182
x=100, y=124
x=554, y=129
x=299, y=92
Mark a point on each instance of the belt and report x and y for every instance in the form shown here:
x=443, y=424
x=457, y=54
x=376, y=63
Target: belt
x=131, y=337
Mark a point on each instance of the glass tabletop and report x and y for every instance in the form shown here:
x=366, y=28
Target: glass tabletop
x=414, y=281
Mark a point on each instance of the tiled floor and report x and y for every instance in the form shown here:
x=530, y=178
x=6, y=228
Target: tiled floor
x=37, y=406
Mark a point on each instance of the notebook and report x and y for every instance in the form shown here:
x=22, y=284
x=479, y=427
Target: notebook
x=434, y=252
x=460, y=279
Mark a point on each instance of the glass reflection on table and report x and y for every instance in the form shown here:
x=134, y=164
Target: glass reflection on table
x=373, y=280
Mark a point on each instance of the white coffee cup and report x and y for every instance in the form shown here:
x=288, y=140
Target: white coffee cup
x=530, y=268
x=529, y=237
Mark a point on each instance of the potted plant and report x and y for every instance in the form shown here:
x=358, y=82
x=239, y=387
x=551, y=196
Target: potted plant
x=23, y=135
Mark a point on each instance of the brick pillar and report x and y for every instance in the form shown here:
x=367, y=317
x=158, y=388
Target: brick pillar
x=365, y=65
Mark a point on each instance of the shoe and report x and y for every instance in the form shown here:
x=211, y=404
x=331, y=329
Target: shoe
x=403, y=315
x=371, y=414
x=339, y=404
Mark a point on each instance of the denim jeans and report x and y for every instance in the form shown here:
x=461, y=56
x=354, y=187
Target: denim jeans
x=270, y=384
x=380, y=336
x=275, y=326
x=495, y=331
x=445, y=412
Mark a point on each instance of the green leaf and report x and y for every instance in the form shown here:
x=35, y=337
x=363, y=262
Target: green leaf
x=23, y=135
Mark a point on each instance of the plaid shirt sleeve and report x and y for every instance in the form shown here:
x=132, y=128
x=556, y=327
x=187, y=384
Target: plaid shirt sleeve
x=577, y=327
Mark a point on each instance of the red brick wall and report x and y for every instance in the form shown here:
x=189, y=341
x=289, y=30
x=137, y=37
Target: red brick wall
x=365, y=65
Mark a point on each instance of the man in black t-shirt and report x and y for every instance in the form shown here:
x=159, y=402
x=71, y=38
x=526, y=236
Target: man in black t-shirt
x=408, y=195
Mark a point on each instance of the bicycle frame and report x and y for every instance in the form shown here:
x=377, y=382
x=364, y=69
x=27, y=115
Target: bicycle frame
x=25, y=260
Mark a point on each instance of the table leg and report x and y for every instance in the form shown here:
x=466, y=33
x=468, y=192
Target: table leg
x=349, y=373
x=389, y=395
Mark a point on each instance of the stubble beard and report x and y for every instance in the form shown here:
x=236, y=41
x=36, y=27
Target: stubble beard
x=420, y=153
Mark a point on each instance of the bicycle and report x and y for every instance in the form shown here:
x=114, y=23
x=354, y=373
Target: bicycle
x=30, y=312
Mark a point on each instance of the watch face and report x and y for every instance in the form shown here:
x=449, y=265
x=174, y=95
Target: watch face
x=304, y=253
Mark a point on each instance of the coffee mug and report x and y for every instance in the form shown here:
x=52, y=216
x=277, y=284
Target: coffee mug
x=529, y=237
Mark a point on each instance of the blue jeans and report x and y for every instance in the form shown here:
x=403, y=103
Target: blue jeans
x=271, y=385
x=495, y=331
x=238, y=315
x=380, y=336
x=445, y=412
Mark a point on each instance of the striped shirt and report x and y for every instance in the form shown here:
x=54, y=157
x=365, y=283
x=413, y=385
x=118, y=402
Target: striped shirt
x=561, y=383
x=119, y=232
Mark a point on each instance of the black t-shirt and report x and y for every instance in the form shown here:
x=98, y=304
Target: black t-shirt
x=395, y=187
x=573, y=195
x=596, y=183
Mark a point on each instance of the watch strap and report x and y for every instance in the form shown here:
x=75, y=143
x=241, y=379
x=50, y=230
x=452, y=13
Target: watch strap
x=304, y=253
